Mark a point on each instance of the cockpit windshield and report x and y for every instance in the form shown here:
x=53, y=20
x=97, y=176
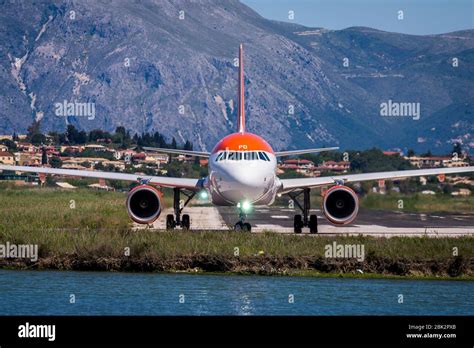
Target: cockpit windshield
x=242, y=156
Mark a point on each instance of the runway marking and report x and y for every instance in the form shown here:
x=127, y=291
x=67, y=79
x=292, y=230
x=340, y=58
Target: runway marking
x=297, y=211
x=210, y=218
x=270, y=227
x=202, y=218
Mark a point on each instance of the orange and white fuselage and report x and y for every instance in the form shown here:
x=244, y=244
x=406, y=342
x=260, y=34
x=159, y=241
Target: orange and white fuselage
x=242, y=168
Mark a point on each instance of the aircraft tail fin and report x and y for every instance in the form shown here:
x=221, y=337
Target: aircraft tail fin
x=241, y=106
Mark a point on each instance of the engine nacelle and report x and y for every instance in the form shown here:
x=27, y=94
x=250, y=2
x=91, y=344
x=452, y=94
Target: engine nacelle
x=340, y=205
x=144, y=204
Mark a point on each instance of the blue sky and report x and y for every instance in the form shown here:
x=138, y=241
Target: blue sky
x=420, y=16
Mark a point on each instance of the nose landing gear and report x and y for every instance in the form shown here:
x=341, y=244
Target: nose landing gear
x=176, y=220
x=241, y=225
x=299, y=221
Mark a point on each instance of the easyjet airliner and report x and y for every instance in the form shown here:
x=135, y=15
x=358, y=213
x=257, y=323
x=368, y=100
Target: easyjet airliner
x=242, y=173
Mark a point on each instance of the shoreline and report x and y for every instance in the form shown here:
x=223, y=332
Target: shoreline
x=456, y=268
x=96, y=235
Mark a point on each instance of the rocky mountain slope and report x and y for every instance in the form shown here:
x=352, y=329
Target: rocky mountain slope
x=169, y=66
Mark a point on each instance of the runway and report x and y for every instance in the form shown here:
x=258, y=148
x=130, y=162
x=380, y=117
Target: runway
x=368, y=222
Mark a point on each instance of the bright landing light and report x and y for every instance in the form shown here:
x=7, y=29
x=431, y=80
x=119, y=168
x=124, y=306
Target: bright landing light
x=203, y=194
x=246, y=206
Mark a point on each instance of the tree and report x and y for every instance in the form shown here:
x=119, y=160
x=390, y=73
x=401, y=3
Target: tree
x=159, y=140
x=120, y=130
x=63, y=139
x=122, y=137
x=44, y=156
x=410, y=153
x=359, y=164
x=135, y=138
x=56, y=162
x=173, y=144
x=34, y=134
x=38, y=139
x=117, y=138
x=81, y=137
x=71, y=134
x=10, y=144
x=99, y=166
x=127, y=140
x=188, y=145
x=96, y=134
x=33, y=129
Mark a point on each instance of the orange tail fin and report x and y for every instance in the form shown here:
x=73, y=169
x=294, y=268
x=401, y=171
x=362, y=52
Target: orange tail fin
x=241, y=108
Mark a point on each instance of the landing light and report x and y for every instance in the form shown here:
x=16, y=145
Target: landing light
x=203, y=194
x=246, y=206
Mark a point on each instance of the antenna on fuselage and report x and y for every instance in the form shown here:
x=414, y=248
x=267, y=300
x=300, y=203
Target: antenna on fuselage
x=241, y=107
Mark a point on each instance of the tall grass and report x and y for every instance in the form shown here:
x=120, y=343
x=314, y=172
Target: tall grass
x=439, y=203
x=95, y=224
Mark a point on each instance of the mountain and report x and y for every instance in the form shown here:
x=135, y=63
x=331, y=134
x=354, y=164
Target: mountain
x=168, y=66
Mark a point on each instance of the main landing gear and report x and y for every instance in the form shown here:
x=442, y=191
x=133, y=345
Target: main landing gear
x=177, y=220
x=241, y=225
x=307, y=220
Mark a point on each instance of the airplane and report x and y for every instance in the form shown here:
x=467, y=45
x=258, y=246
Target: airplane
x=242, y=173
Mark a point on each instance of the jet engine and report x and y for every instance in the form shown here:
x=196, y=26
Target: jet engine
x=340, y=205
x=144, y=204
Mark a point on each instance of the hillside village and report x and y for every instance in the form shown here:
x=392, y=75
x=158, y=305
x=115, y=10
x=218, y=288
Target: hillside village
x=119, y=152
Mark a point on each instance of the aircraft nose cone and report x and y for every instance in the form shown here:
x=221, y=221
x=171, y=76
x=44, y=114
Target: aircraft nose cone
x=245, y=176
x=244, y=183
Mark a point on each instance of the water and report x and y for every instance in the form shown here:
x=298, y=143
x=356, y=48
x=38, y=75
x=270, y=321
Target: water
x=49, y=293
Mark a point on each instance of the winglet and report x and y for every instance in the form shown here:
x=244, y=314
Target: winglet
x=241, y=109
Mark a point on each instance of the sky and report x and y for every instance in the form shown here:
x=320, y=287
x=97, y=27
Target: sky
x=420, y=17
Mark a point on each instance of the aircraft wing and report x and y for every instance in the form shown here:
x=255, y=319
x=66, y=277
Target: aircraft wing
x=179, y=152
x=288, y=185
x=300, y=152
x=191, y=184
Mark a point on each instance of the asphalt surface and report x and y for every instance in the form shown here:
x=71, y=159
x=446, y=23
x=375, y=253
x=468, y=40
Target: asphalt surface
x=284, y=217
x=368, y=222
